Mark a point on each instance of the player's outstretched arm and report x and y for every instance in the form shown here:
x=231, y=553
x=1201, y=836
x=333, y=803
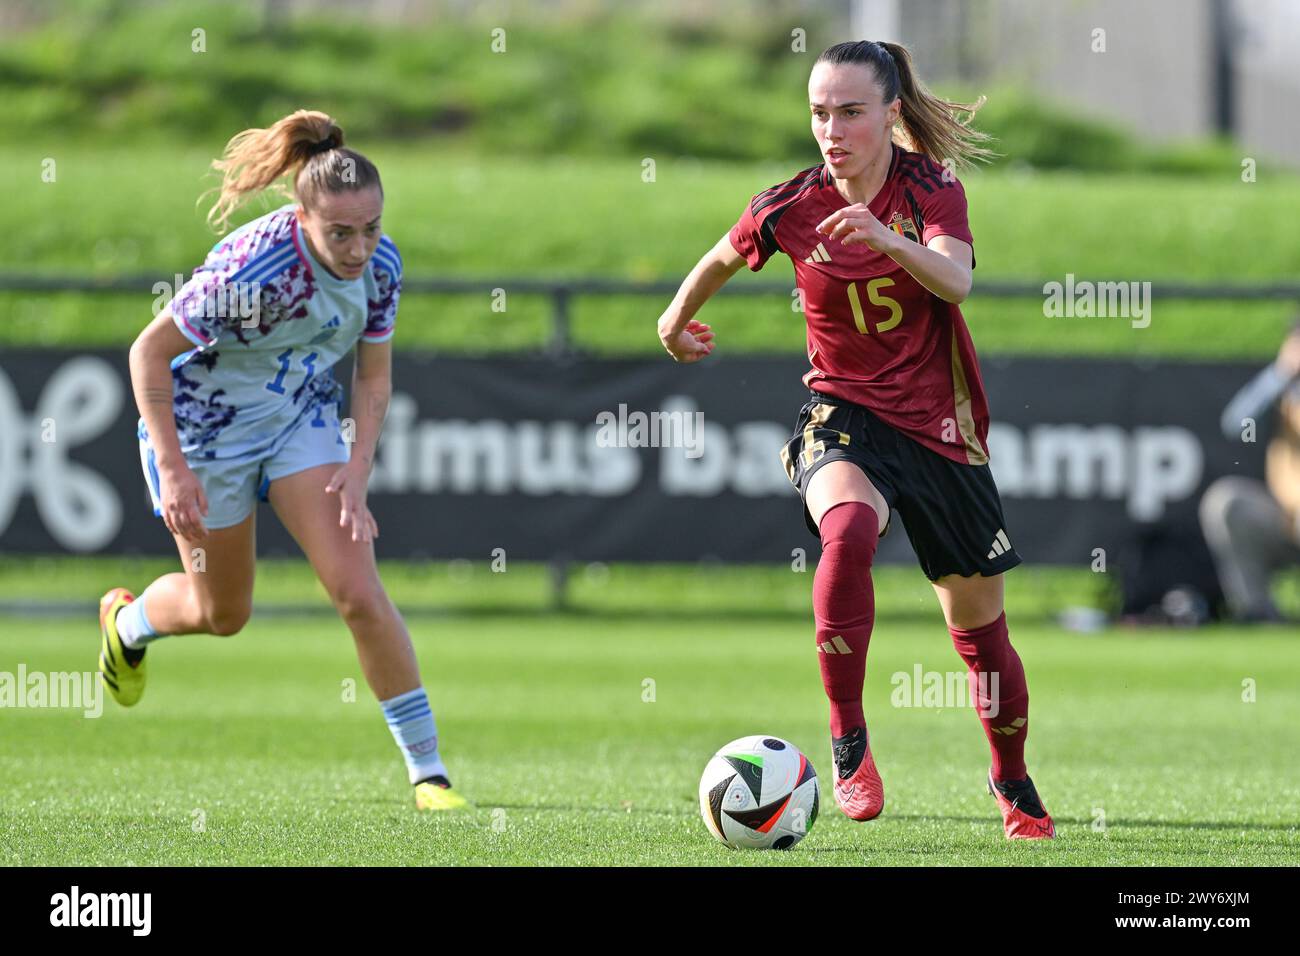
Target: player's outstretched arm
x=686, y=339
x=183, y=502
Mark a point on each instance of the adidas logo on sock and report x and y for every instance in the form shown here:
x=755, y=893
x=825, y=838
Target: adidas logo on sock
x=1000, y=544
x=836, y=645
x=1012, y=728
x=819, y=254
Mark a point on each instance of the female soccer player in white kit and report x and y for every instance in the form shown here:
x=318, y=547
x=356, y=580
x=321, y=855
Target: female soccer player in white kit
x=238, y=403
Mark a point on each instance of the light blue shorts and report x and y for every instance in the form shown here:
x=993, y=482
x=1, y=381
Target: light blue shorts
x=234, y=486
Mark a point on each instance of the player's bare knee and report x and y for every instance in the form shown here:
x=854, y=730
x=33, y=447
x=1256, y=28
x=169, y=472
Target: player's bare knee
x=361, y=604
x=974, y=616
x=227, y=621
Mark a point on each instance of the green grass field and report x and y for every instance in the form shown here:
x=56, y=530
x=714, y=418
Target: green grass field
x=580, y=733
x=132, y=210
x=244, y=751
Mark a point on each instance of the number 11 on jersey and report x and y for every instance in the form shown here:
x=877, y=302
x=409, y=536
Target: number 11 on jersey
x=284, y=358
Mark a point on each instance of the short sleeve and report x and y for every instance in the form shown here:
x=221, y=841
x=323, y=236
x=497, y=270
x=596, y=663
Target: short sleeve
x=220, y=292
x=381, y=313
x=210, y=301
x=748, y=240
x=943, y=212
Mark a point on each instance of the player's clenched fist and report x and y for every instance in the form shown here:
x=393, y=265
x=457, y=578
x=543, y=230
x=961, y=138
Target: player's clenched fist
x=691, y=344
x=856, y=224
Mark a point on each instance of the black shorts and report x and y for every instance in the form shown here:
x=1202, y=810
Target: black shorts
x=951, y=511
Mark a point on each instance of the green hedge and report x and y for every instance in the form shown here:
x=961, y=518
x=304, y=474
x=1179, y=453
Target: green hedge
x=717, y=87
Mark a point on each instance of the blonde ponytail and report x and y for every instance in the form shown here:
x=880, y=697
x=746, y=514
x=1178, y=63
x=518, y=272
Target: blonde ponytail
x=307, y=143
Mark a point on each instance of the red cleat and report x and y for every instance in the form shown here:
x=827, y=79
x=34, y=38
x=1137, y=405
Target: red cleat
x=861, y=795
x=1023, y=815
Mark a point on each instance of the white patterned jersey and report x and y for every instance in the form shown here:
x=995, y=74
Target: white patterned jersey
x=268, y=323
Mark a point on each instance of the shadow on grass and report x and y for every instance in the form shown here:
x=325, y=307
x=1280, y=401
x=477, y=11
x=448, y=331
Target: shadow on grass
x=986, y=820
x=1117, y=824
x=722, y=614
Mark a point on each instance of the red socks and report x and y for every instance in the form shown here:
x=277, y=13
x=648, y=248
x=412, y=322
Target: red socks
x=844, y=608
x=997, y=683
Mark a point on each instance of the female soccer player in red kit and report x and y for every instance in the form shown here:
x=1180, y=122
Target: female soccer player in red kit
x=883, y=255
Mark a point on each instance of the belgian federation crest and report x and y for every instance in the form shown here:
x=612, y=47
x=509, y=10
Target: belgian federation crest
x=904, y=227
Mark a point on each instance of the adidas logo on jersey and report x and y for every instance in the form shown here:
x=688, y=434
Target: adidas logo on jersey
x=836, y=645
x=327, y=331
x=819, y=254
x=1000, y=544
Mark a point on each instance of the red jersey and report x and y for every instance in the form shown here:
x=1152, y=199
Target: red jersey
x=876, y=336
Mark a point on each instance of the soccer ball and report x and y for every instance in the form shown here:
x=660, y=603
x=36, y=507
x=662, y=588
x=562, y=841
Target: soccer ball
x=759, y=793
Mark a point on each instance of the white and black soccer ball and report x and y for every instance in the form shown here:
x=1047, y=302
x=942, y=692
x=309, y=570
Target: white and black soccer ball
x=759, y=793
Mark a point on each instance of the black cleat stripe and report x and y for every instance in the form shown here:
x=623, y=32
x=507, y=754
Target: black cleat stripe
x=109, y=667
x=108, y=680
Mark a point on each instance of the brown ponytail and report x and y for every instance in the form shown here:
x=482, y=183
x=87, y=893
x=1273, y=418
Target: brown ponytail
x=927, y=124
x=307, y=143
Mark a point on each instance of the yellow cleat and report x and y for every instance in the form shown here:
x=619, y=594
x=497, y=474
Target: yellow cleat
x=430, y=796
x=124, y=681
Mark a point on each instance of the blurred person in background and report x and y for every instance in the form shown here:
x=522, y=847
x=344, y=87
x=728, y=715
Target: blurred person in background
x=1252, y=526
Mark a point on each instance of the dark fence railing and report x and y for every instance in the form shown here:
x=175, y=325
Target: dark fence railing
x=561, y=292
